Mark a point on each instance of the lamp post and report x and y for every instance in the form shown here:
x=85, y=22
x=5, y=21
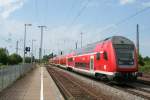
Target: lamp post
x=41, y=42
x=25, y=32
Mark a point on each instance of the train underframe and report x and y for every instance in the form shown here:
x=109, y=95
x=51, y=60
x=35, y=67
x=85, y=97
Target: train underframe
x=119, y=77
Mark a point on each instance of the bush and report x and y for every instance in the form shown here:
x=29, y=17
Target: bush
x=14, y=59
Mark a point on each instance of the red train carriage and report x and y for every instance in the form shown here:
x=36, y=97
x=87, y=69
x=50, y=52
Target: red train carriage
x=114, y=58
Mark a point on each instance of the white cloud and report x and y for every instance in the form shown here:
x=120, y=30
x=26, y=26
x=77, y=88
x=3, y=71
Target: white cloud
x=9, y=6
x=124, y=2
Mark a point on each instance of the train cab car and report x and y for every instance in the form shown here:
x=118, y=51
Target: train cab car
x=118, y=60
x=126, y=59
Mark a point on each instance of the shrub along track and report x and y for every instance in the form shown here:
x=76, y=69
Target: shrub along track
x=73, y=88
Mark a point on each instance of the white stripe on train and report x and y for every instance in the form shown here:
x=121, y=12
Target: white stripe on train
x=91, y=72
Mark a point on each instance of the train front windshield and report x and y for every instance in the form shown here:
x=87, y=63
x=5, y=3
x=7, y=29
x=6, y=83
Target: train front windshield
x=125, y=54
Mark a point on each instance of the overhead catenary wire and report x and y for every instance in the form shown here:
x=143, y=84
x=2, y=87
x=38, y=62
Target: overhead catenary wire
x=125, y=19
x=46, y=11
x=70, y=10
x=77, y=16
x=36, y=9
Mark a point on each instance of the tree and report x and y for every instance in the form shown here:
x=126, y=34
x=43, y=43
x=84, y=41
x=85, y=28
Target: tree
x=3, y=56
x=28, y=59
x=141, y=60
x=47, y=57
x=14, y=59
x=146, y=58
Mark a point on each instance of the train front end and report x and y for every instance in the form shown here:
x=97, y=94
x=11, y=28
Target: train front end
x=126, y=59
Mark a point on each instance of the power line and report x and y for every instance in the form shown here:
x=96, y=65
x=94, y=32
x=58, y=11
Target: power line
x=46, y=11
x=131, y=16
x=78, y=15
x=36, y=10
x=70, y=10
x=80, y=12
x=126, y=19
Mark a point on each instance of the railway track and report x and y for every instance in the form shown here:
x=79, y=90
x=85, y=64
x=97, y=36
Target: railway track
x=141, y=90
x=143, y=81
x=74, y=89
x=138, y=89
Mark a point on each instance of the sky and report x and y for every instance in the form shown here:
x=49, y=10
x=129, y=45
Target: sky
x=66, y=19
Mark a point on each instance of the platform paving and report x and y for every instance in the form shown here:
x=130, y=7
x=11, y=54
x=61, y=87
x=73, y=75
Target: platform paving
x=30, y=87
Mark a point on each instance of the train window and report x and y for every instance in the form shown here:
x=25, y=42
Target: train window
x=98, y=56
x=87, y=49
x=79, y=64
x=125, y=54
x=105, y=55
x=70, y=59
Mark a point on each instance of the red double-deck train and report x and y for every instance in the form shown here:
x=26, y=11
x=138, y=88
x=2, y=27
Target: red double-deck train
x=114, y=58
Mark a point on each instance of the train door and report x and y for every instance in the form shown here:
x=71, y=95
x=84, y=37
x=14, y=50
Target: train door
x=91, y=63
x=67, y=61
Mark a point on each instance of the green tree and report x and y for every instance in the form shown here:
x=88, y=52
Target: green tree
x=47, y=57
x=146, y=58
x=3, y=56
x=28, y=59
x=14, y=59
x=141, y=60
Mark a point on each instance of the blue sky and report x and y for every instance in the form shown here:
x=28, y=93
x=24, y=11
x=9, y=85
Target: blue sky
x=66, y=19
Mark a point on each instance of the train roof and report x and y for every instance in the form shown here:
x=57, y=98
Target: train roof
x=120, y=40
x=90, y=47
x=115, y=40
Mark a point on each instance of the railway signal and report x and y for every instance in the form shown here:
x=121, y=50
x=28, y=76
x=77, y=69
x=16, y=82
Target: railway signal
x=27, y=49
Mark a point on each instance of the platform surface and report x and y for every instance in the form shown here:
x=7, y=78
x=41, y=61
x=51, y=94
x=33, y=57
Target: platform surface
x=36, y=85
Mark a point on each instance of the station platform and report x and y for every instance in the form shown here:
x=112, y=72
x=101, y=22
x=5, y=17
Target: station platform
x=36, y=85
